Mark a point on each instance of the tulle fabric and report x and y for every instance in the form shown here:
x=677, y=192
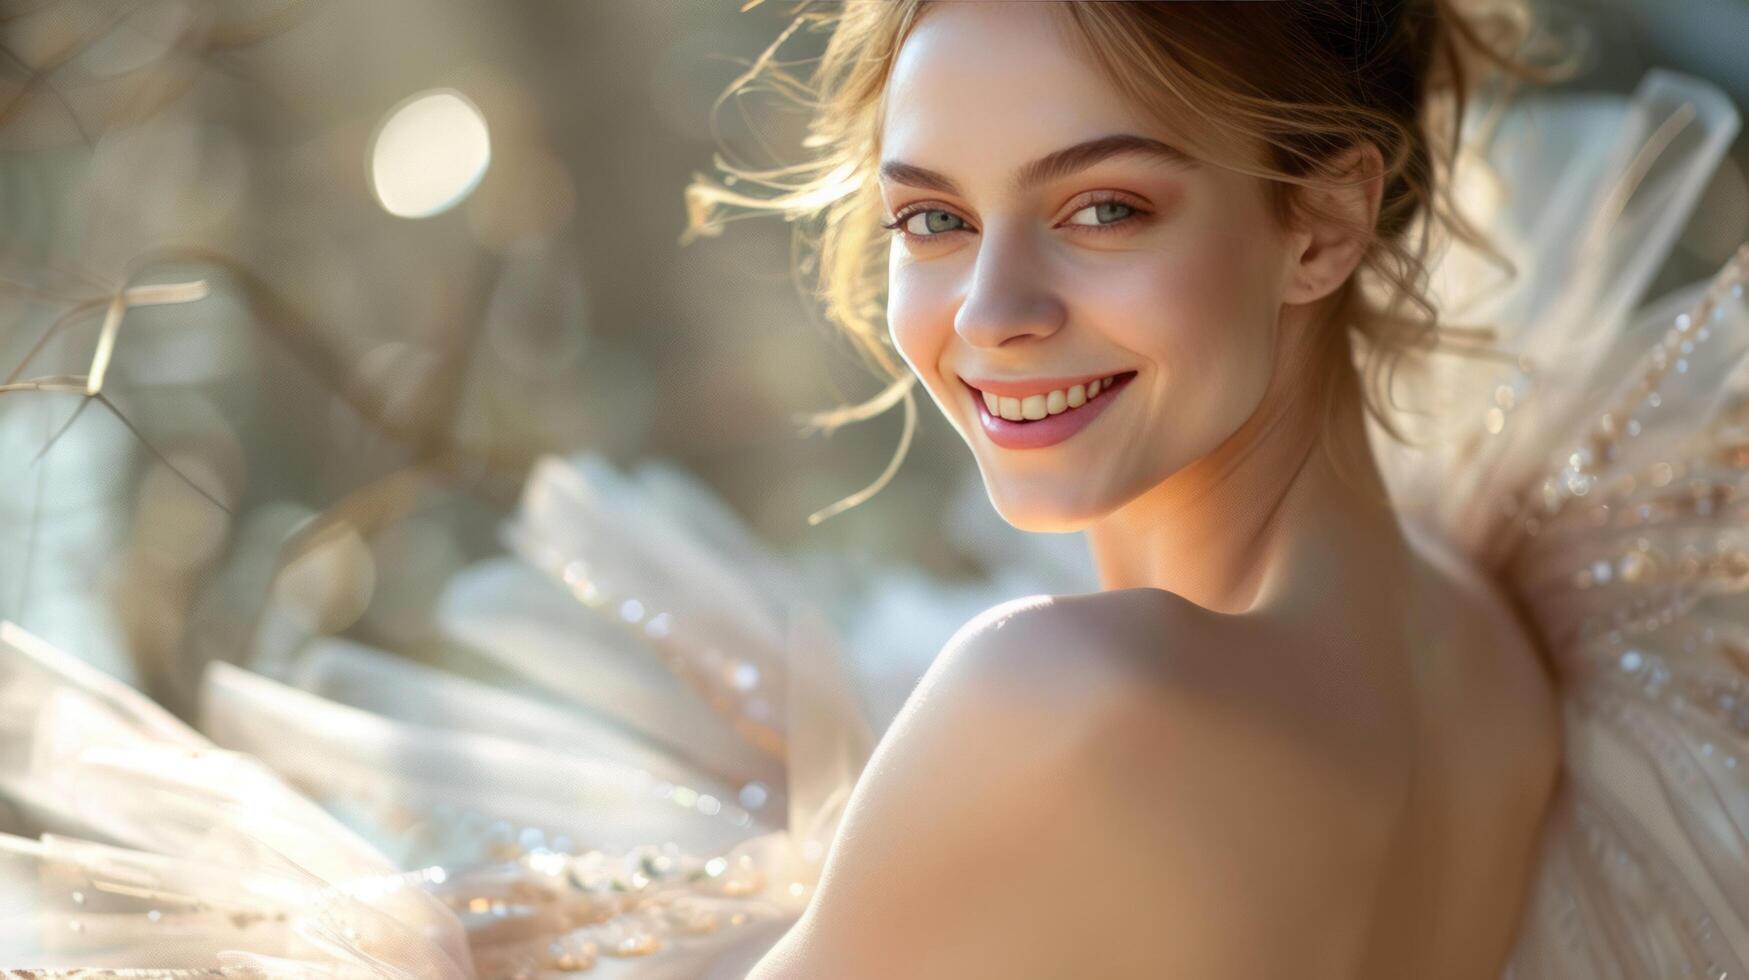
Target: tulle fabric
x=652, y=798
x=653, y=790
x=208, y=860
x=1601, y=475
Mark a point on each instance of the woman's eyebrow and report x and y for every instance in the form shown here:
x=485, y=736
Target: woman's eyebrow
x=1051, y=166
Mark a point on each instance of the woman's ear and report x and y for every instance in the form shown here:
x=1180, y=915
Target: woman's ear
x=1336, y=219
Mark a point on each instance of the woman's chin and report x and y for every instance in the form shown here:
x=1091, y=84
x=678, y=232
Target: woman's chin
x=1042, y=512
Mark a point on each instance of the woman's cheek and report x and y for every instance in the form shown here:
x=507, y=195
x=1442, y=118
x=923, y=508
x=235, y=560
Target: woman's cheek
x=901, y=315
x=1212, y=291
x=1155, y=309
x=1191, y=315
x=915, y=323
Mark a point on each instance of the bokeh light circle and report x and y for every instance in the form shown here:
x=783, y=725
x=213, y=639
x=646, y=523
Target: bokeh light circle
x=430, y=152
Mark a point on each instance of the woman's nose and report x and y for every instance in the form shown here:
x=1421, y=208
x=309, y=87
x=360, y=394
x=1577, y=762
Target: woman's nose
x=1010, y=296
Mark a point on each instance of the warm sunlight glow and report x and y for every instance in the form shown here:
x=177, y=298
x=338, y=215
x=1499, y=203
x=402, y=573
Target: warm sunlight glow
x=429, y=154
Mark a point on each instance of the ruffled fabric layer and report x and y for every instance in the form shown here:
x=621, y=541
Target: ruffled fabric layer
x=1601, y=475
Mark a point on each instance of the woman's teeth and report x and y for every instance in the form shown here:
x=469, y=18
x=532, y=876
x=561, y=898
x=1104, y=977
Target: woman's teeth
x=1035, y=407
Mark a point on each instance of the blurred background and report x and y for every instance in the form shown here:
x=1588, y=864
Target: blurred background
x=439, y=240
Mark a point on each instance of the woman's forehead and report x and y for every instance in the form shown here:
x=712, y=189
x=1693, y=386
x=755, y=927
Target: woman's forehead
x=980, y=89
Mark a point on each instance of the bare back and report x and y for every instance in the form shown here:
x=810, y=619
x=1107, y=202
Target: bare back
x=1350, y=790
x=1469, y=739
x=1488, y=756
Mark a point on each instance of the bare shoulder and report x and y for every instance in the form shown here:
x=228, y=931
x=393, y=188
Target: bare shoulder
x=1079, y=650
x=1129, y=661
x=1088, y=745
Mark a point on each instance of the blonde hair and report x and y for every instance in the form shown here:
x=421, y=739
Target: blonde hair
x=1304, y=80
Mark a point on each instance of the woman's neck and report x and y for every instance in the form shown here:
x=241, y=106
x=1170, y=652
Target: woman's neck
x=1242, y=529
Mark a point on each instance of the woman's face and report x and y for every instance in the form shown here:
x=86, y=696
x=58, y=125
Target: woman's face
x=1025, y=269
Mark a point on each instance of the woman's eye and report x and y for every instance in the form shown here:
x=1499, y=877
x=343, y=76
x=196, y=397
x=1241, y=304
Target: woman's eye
x=1103, y=212
x=924, y=224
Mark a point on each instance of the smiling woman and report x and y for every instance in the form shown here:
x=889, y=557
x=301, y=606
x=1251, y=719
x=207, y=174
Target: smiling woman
x=1136, y=308
x=1158, y=264
x=1185, y=115
x=1183, y=287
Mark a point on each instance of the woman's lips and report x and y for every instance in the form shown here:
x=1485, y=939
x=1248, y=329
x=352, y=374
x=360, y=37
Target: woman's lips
x=1049, y=430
